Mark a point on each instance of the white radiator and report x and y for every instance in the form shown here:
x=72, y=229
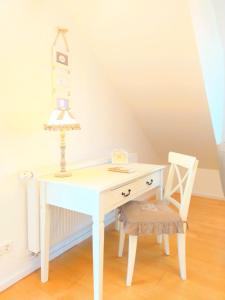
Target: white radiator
x=65, y=223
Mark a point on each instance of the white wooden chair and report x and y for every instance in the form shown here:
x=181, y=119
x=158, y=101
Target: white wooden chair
x=144, y=218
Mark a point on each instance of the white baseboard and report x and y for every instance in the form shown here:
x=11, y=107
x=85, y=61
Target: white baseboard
x=209, y=196
x=34, y=263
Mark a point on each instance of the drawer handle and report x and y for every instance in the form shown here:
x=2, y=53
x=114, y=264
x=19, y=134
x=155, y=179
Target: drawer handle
x=149, y=182
x=126, y=194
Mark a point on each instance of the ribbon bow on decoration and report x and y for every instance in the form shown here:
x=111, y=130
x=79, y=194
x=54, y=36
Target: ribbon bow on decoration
x=63, y=113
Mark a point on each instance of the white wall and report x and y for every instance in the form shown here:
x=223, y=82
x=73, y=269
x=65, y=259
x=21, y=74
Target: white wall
x=148, y=49
x=208, y=184
x=28, y=30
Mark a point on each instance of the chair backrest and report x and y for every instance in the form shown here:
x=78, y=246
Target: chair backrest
x=180, y=179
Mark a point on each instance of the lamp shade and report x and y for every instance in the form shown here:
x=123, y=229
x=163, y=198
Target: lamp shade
x=62, y=118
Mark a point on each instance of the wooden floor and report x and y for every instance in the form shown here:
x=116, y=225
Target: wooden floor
x=155, y=276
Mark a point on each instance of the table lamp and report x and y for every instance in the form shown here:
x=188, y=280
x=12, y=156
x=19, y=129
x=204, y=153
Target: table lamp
x=62, y=119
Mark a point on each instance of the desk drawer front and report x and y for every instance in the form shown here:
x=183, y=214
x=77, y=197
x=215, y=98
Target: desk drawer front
x=150, y=181
x=131, y=191
x=127, y=192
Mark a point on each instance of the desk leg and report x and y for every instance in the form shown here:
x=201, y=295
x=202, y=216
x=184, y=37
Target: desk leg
x=159, y=196
x=98, y=257
x=45, y=232
x=159, y=193
x=117, y=222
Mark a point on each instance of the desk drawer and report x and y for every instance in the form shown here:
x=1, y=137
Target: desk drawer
x=128, y=191
x=151, y=181
x=121, y=195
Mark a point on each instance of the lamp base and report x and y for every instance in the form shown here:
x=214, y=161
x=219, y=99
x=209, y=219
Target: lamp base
x=63, y=174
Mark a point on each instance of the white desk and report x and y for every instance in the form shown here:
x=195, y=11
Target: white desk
x=93, y=191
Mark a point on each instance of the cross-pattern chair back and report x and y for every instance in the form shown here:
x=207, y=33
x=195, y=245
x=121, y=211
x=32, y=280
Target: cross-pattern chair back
x=180, y=179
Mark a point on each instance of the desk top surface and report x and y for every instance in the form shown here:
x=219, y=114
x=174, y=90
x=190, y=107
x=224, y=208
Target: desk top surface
x=99, y=178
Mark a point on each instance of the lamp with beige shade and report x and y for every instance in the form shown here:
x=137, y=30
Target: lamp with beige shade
x=62, y=119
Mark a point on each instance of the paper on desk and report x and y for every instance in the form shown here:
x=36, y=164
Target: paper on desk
x=121, y=169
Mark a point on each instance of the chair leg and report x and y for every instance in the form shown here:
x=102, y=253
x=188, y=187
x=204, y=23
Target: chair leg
x=181, y=243
x=159, y=238
x=131, y=258
x=121, y=240
x=166, y=244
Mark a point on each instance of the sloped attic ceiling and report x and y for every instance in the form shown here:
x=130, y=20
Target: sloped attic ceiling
x=147, y=49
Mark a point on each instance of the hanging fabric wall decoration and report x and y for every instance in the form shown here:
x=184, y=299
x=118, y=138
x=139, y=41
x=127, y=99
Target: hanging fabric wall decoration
x=60, y=67
x=61, y=119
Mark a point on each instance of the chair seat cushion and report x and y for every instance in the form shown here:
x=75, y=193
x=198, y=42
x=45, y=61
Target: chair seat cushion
x=143, y=217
